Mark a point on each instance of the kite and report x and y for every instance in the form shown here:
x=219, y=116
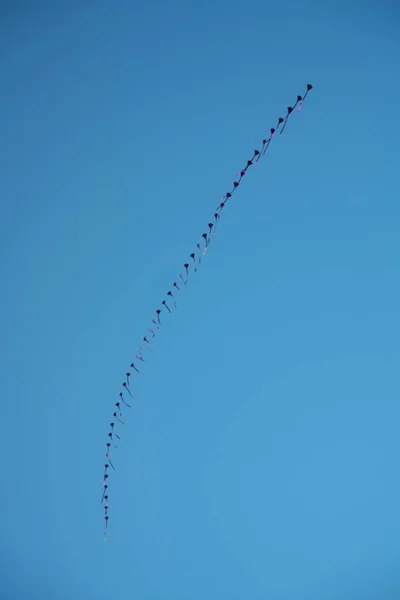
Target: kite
x=188, y=267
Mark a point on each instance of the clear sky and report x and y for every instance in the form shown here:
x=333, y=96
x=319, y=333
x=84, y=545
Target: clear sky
x=260, y=458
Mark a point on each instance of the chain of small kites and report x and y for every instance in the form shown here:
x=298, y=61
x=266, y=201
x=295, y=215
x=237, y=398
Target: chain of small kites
x=194, y=260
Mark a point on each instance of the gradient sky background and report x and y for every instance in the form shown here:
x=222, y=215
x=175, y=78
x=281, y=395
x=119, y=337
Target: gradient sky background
x=261, y=457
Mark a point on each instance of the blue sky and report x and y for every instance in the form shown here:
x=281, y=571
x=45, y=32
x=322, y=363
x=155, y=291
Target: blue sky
x=260, y=459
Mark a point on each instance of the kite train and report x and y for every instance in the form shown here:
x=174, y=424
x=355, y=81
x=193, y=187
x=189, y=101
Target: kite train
x=169, y=303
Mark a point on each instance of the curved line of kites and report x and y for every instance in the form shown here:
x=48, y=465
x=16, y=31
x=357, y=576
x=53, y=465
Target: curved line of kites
x=191, y=265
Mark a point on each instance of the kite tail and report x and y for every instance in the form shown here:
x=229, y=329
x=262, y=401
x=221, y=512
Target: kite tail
x=166, y=306
x=289, y=112
x=256, y=154
x=109, y=460
x=173, y=299
x=261, y=153
x=155, y=323
x=284, y=125
x=299, y=99
x=184, y=281
x=266, y=146
x=309, y=87
x=129, y=391
x=267, y=142
x=105, y=528
x=193, y=257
